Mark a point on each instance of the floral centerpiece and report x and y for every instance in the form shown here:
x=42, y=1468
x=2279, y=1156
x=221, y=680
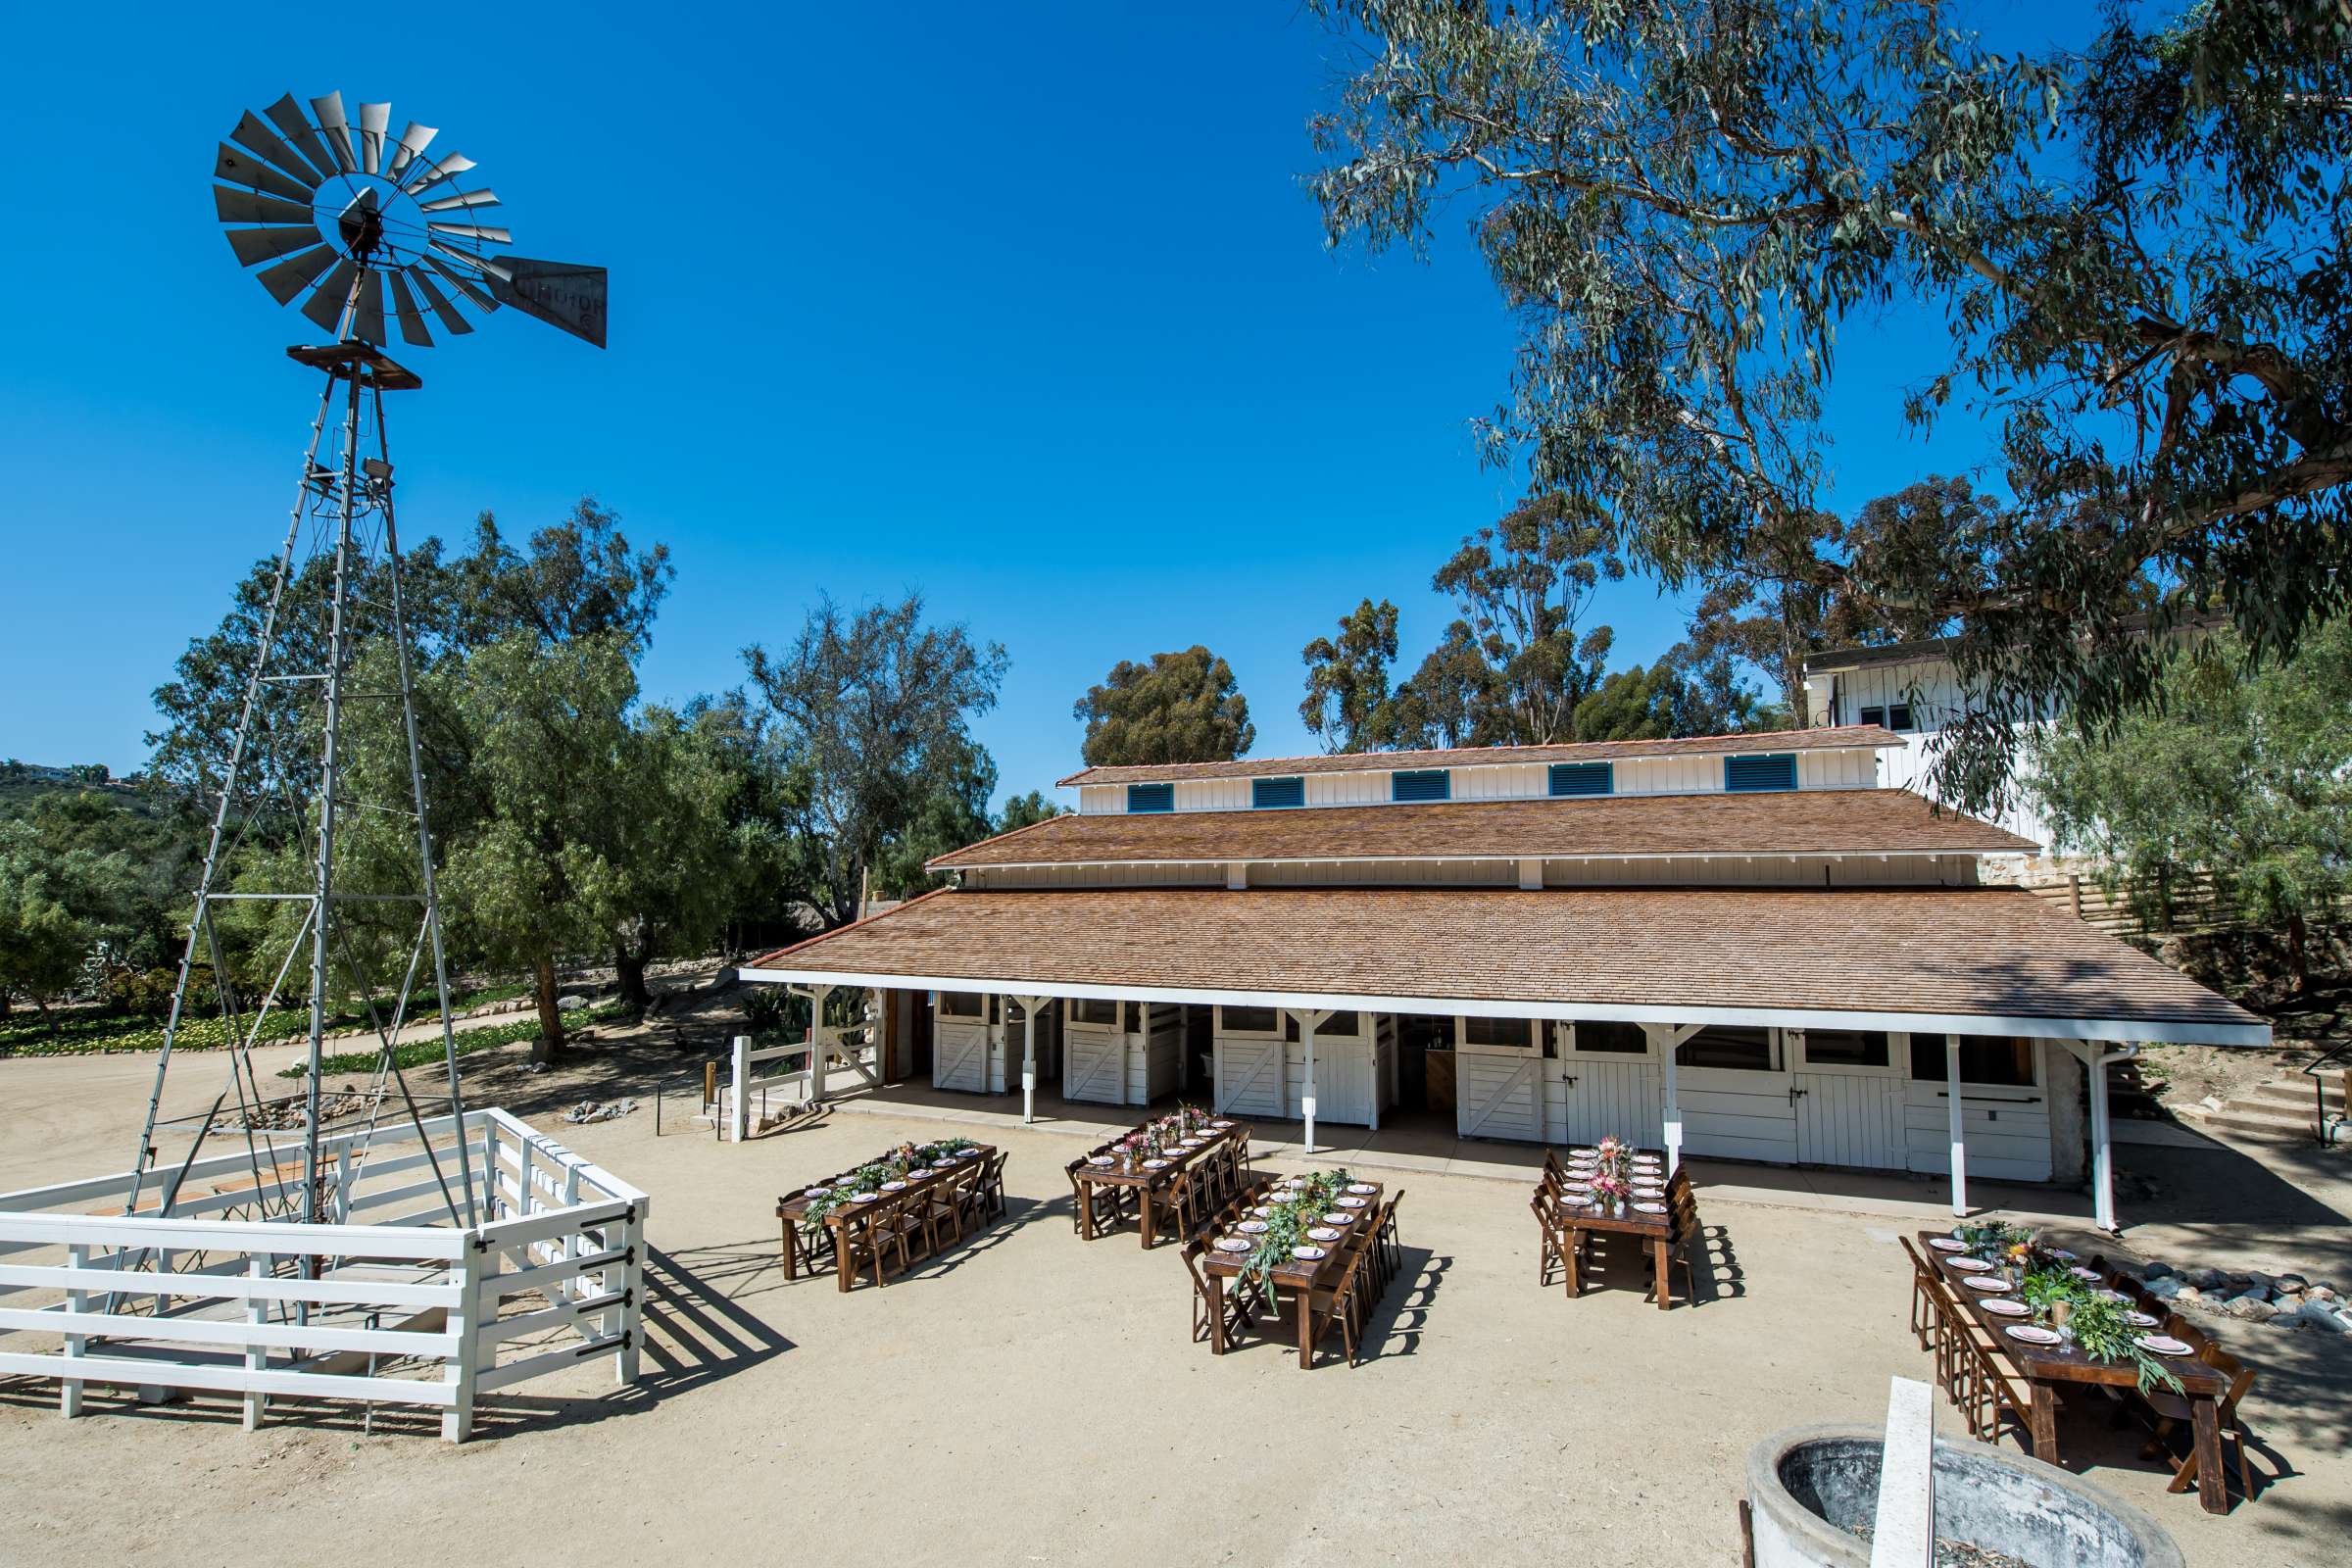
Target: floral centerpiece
x=1612, y=1188
x=1991, y=1239
x=2062, y=1300
x=1291, y=1212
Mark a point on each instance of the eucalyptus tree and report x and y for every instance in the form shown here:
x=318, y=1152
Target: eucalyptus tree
x=2128, y=261
x=1351, y=703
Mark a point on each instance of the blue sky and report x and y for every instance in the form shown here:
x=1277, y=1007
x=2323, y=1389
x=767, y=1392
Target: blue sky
x=1020, y=305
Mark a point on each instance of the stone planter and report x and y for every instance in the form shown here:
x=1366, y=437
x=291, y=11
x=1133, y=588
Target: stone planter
x=1807, y=1486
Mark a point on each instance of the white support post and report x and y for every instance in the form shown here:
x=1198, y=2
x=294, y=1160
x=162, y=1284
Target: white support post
x=1030, y=1007
x=1903, y=1532
x=343, y=1182
x=1957, y=1116
x=472, y=1268
x=69, y=1389
x=492, y=1176
x=739, y=1082
x=816, y=996
x=1310, y=1018
x=2102, y=1135
x=257, y=1312
x=1669, y=1038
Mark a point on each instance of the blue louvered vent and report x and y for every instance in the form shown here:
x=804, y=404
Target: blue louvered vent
x=1582, y=778
x=1269, y=792
x=1428, y=784
x=1770, y=770
x=1151, y=797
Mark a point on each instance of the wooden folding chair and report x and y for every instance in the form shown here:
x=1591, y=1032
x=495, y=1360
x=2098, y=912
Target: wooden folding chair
x=1927, y=1320
x=874, y=1231
x=1341, y=1305
x=1391, y=1245
x=2174, y=1411
x=1686, y=1243
x=1558, y=1241
x=991, y=1184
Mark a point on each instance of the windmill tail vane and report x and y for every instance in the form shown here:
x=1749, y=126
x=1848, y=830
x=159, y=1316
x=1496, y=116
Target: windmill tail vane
x=365, y=229
x=368, y=230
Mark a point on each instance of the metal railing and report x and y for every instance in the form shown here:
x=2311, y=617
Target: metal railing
x=2328, y=1128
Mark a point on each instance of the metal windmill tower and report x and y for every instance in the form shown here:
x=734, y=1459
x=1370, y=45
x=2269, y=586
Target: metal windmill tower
x=341, y=215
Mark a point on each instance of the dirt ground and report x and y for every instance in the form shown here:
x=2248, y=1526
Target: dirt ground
x=1033, y=1399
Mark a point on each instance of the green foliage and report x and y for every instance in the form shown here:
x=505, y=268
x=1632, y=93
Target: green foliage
x=2138, y=253
x=2245, y=772
x=1025, y=810
x=873, y=710
x=1350, y=703
x=426, y=1053
x=1179, y=708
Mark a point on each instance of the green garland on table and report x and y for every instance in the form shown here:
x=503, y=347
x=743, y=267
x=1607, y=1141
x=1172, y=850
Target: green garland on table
x=870, y=1177
x=1289, y=1214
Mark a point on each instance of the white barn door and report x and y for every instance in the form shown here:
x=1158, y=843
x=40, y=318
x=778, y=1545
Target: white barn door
x=1850, y=1096
x=1609, y=1099
x=1499, y=1095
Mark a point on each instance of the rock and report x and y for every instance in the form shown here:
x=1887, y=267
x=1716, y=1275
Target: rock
x=570, y=1003
x=2264, y=1283
x=2290, y=1322
x=2187, y=1295
x=2322, y=1291
x=2293, y=1282
x=2206, y=1278
x=2154, y=1270
x=2250, y=1307
x=2164, y=1286
x=2319, y=1317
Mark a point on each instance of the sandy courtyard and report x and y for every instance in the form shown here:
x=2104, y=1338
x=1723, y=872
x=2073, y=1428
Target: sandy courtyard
x=1032, y=1398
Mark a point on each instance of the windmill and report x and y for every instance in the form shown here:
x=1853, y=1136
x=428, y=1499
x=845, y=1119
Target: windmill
x=364, y=230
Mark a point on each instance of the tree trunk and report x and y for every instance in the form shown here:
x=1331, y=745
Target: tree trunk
x=551, y=1021
x=629, y=960
x=2298, y=954
x=47, y=1017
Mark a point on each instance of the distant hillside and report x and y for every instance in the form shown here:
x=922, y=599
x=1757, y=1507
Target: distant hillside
x=21, y=783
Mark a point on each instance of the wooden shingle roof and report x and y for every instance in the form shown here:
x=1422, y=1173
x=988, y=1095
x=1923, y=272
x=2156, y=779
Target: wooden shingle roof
x=1891, y=958
x=1869, y=821
x=1846, y=737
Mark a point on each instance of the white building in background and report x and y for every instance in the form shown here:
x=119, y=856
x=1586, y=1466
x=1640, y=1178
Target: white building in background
x=1912, y=690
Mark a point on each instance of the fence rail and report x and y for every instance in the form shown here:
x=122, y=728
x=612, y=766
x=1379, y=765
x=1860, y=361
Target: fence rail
x=413, y=1311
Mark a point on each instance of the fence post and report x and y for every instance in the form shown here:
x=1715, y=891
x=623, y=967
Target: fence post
x=257, y=1312
x=632, y=1311
x=740, y=1080
x=474, y=1266
x=2075, y=882
x=69, y=1389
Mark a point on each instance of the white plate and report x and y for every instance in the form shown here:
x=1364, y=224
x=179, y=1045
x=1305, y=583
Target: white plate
x=863, y=1197
x=1341, y=1220
x=2033, y=1334
x=1220, y=1125
x=920, y=1175
x=1366, y=1188
x=2163, y=1345
x=1577, y=1190
x=1252, y=1227
x=2139, y=1320
x=894, y=1186
x=1946, y=1243
x=2006, y=1309
x=1353, y=1203
x=1308, y=1254
x=1155, y=1164
x=2091, y=1274
x=2117, y=1297
x=1971, y=1265
x=1986, y=1282
x=1102, y=1159
x=2061, y=1255
x=814, y=1192
x=1233, y=1243
x=1651, y=1209
x=1262, y=1210
x=1324, y=1232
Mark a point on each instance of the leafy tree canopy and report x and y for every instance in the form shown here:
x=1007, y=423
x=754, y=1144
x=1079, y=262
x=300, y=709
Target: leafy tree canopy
x=2137, y=252
x=1179, y=708
x=2241, y=772
x=875, y=709
x=1351, y=704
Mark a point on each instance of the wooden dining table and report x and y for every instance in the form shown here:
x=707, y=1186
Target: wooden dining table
x=1148, y=1183
x=1301, y=1278
x=793, y=1210
x=2044, y=1368
x=1656, y=1231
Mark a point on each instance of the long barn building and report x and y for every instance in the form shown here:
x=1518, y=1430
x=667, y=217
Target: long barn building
x=1744, y=947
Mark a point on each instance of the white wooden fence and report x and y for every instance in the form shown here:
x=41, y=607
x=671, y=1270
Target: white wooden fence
x=752, y=1097
x=388, y=1303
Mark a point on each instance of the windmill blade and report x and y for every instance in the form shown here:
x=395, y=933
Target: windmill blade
x=337, y=130
x=374, y=120
x=427, y=175
x=412, y=319
x=462, y=199
x=326, y=306
x=464, y=284
x=255, y=246
x=247, y=207
x=451, y=316
x=295, y=273
x=370, y=322
x=286, y=115
x=563, y=294
x=411, y=142
x=495, y=236
x=258, y=140
x=237, y=165
x=481, y=264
